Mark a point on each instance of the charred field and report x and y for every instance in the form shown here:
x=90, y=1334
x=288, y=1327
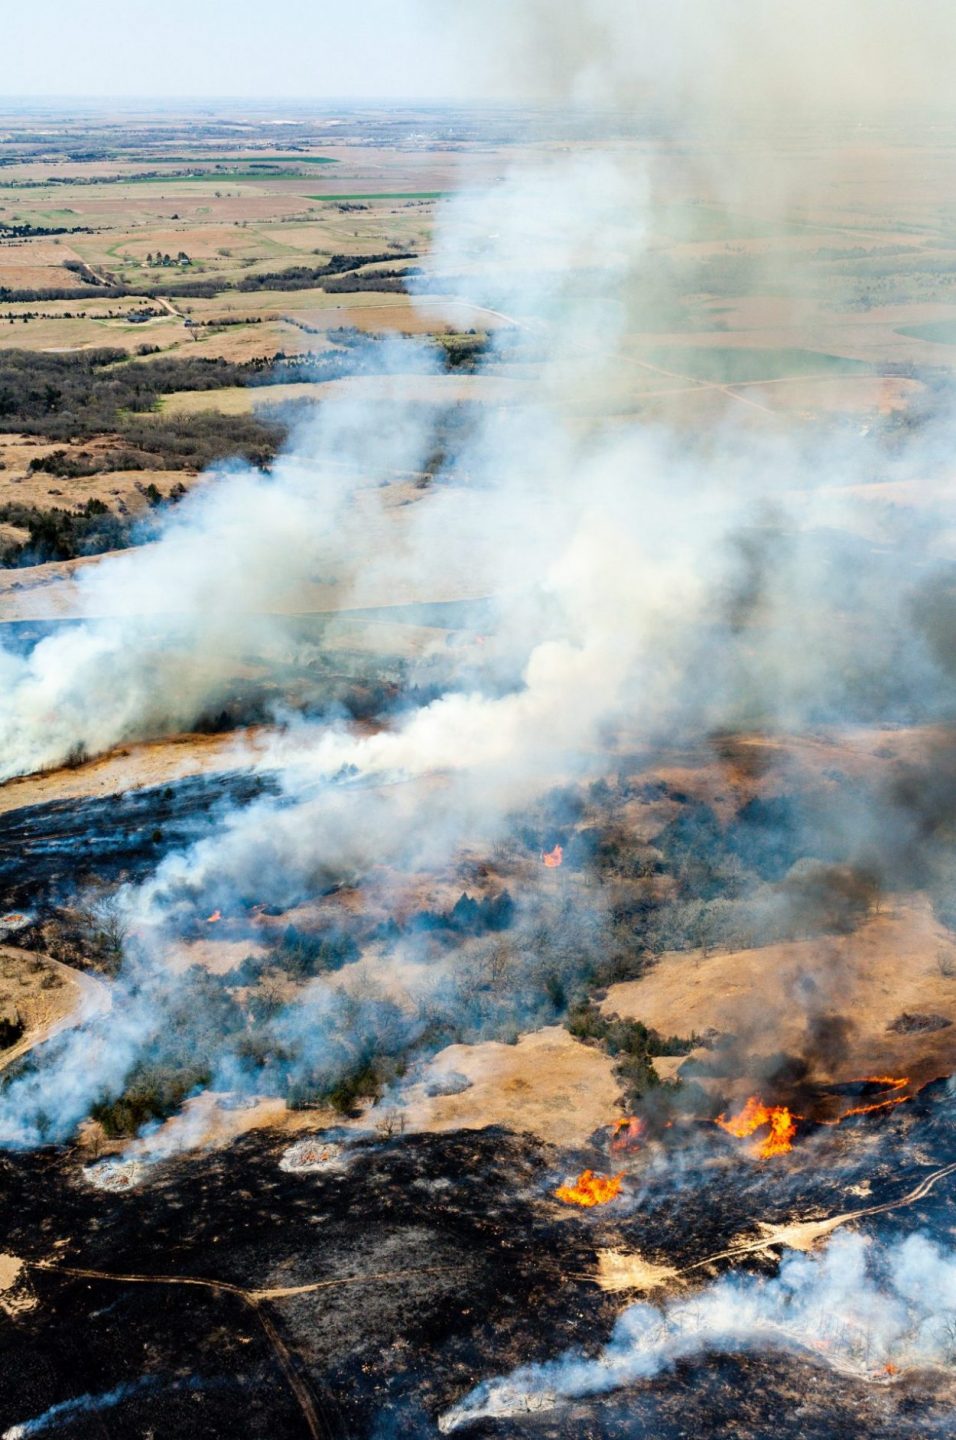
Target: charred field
x=214, y=1288
x=223, y=1292
x=45, y=850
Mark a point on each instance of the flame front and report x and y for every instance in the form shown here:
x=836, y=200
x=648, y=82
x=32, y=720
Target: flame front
x=590, y=1189
x=211, y=919
x=553, y=858
x=780, y=1124
x=627, y=1133
x=890, y=1084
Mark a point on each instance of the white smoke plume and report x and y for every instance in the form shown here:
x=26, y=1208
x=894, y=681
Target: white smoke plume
x=67, y=1410
x=858, y=1306
x=604, y=540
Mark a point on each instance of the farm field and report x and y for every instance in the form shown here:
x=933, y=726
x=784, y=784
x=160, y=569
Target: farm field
x=177, y=249
x=169, y=245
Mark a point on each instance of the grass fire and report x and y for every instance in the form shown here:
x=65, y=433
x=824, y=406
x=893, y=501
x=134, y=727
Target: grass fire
x=402, y=500
x=590, y=1188
x=776, y=1120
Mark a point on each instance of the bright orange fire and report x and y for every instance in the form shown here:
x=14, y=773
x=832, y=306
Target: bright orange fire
x=627, y=1133
x=780, y=1125
x=889, y=1083
x=211, y=919
x=590, y=1189
x=553, y=858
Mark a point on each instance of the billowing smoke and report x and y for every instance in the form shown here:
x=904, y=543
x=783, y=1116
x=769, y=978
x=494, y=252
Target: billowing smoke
x=638, y=573
x=696, y=60
x=860, y=1306
x=165, y=627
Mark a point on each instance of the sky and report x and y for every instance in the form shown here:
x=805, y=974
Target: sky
x=287, y=48
x=780, y=54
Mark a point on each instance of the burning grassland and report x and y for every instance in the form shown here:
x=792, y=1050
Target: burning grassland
x=897, y=960
x=627, y=1134
x=137, y=767
x=772, y=1127
x=492, y=943
x=443, y=1259
x=589, y=1189
x=852, y=1308
x=579, y=918
x=120, y=835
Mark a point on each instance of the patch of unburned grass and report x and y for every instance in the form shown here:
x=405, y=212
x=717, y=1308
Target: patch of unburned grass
x=940, y=332
x=388, y=195
x=734, y=366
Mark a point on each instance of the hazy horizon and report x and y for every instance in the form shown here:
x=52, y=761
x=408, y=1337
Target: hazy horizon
x=868, y=53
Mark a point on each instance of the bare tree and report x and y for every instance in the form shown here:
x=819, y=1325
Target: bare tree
x=391, y=1122
x=105, y=929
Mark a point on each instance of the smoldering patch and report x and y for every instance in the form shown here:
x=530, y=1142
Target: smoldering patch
x=117, y=1176
x=315, y=1154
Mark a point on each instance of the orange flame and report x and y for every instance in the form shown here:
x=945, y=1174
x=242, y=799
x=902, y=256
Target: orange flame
x=890, y=1083
x=627, y=1133
x=211, y=919
x=777, y=1119
x=590, y=1189
x=553, y=858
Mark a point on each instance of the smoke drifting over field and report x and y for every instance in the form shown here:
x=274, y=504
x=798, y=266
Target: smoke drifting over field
x=683, y=584
x=694, y=59
x=857, y=1307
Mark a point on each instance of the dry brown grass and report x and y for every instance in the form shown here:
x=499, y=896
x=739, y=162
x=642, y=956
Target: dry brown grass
x=32, y=991
x=548, y=1084
x=627, y=1270
x=901, y=959
x=158, y=762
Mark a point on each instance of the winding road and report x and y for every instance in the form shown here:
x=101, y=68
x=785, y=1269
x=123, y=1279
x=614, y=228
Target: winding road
x=315, y=1413
x=810, y=1230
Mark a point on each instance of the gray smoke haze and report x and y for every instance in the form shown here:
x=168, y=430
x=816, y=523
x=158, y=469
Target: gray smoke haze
x=858, y=1306
x=675, y=583
x=700, y=59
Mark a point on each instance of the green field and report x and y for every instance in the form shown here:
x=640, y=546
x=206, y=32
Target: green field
x=388, y=195
x=733, y=366
x=941, y=332
x=234, y=160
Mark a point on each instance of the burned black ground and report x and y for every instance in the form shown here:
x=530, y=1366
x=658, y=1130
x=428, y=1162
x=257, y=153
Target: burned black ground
x=47, y=850
x=442, y=1260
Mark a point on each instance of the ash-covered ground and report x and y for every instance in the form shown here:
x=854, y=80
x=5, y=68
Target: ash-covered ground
x=223, y=1294
x=46, y=851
